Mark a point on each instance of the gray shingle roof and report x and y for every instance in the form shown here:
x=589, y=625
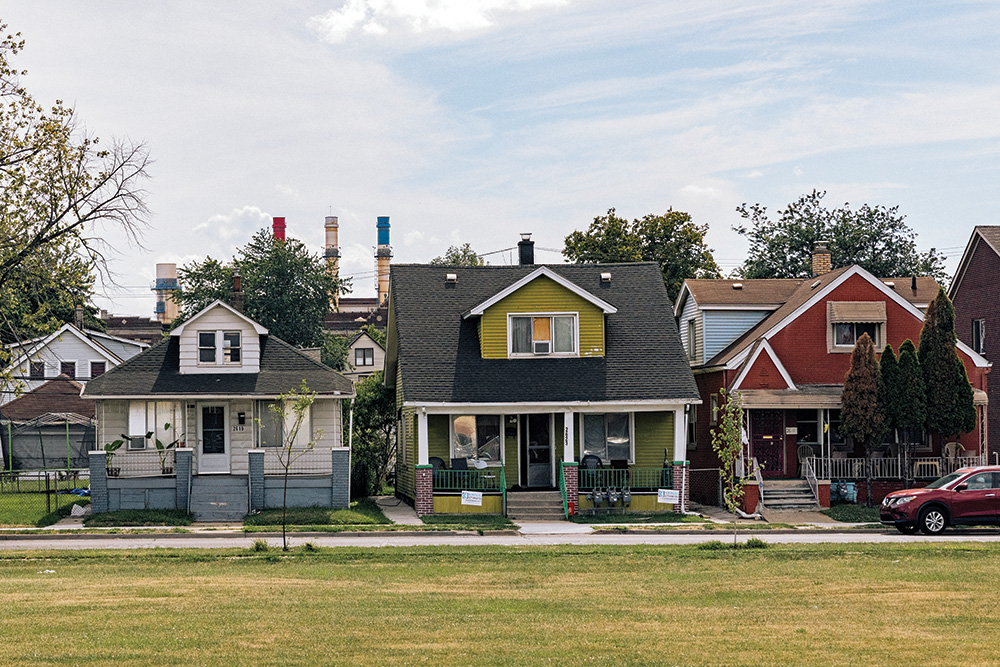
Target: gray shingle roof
x=155, y=372
x=441, y=361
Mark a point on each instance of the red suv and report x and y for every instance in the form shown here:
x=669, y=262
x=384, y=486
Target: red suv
x=966, y=496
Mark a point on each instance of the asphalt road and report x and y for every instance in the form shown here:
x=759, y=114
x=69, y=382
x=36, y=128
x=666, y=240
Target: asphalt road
x=217, y=540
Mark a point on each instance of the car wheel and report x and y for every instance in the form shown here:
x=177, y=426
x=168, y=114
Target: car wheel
x=932, y=521
x=907, y=530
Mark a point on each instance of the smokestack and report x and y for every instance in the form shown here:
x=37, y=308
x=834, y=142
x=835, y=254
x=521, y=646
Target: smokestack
x=332, y=253
x=526, y=250
x=821, y=262
x=236, y=296
x=278, y=225
x=383, y=253
x=165, y=286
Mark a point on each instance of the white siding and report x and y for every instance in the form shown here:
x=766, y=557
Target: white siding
x=326, y=417
x=219, y=319
x=722, y=327
x=64, y=347
x=112, y=421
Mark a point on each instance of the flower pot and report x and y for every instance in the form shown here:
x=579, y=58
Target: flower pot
x=167, y=470
x=114, y=472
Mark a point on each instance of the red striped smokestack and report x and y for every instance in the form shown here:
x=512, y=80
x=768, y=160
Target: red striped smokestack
x=278, y=225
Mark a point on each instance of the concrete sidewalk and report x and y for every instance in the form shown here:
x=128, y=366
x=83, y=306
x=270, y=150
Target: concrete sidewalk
x=397, y=511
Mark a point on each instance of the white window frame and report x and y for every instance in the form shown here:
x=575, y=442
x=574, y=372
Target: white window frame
x=692, y=336
x=533, y=355
x=713, y=409
x=222, y=349
x=451, y=439
x=581, y=444
x=365, y=356
x=139, y=423
x=91, y=368
x=76, y=368
x=219, y=337
x=835, y=347
x=302, y=438
x=214, y=348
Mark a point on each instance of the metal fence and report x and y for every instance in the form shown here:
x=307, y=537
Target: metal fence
x=30, y=498
x=706, y=486
x=487, y=479
x=141, y=463
x=890, y=467
x=633, y=478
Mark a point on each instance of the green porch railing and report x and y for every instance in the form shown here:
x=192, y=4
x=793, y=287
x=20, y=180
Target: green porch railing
x=487, y=479
x=633, y=478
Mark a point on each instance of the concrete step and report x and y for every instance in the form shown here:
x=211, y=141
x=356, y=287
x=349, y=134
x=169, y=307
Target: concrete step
x=219, y=497
x=535, y=506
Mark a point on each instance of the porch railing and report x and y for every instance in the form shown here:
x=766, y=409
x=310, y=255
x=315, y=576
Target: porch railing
x=633, y=478
x=487, y=479
x=810, y=474
x=562, y=489
x=312, y=461
x=141, y=463
x=888, y=468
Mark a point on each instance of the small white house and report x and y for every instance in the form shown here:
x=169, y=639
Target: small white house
x=365, y=355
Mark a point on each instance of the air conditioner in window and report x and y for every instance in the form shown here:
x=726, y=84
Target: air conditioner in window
x=541, y=346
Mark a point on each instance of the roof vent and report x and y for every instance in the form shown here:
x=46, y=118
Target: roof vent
x=737, y=285
x=815, y=284
x=890, y=284
x=605, y=277
x=451, y=278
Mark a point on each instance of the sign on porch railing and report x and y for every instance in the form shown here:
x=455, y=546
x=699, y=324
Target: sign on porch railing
x=668, y=496
x=472, y=498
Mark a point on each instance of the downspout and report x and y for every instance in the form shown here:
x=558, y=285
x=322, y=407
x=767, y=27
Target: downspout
x=350, y=432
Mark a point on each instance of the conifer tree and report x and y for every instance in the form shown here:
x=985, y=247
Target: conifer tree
x=862, y=417
x=950, y=409
x=912, y=406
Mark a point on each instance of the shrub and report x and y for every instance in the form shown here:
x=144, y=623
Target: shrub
x=260, y=546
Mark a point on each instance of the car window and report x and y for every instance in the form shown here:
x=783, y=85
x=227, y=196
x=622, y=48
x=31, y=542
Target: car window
x=980, y=481
x=947, y=479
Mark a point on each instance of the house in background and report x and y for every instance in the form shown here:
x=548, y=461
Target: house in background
x=214, y=381
x=72, y=351
x=785, y=346
x=49, y=428
x=535, y=386
x=977, y=311
x=365, y=355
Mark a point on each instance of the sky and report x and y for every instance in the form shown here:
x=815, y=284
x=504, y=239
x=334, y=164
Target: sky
x=470, y=121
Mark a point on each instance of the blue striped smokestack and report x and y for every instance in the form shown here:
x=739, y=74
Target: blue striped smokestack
x=383, y=229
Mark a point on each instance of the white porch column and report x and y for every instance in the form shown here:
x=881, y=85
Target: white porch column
x=569, y=441
x=680, y=434
x=422, y=440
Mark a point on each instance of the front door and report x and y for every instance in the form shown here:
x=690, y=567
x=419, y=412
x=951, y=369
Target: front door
x=536, y=442
x=767, y=441
x=213, y=427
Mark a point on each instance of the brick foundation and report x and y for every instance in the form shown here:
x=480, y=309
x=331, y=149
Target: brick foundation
x=682, y=484
x=424, y=502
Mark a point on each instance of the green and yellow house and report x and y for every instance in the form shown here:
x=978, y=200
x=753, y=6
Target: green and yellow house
x=515, y=379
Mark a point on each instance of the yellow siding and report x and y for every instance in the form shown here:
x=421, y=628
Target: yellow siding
x=437, y=437
x=405, y=472
x=453, y=505
x=654, y=432
x=542, y=295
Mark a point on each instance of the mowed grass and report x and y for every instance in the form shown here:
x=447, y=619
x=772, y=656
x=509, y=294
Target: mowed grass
x=29, y=508
x=785, y=605
x=363, y=512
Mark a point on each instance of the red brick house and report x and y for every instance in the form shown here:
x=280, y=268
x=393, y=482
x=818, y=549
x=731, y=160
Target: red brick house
x=977, y=310
x=785, y=346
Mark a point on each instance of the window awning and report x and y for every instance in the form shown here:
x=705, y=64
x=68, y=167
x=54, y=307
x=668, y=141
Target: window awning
x=857, y=311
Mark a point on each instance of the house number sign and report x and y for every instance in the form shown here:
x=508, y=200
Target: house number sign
x=239, y=429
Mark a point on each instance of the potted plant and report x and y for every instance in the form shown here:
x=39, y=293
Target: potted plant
x=109, y=454
x=161, y=451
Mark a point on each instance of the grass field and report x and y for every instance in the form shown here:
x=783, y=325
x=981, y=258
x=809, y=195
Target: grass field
x=785, y=605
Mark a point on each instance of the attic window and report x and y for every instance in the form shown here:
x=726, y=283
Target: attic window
x=451, y=278
x=542, y=334
x=737, y=285
x=606, y=277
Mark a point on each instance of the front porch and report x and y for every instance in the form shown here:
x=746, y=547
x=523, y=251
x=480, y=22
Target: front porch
x=140, y=480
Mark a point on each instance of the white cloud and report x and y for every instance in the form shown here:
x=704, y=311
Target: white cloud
x=379, y=17
x=222, y=232
x=414, y=237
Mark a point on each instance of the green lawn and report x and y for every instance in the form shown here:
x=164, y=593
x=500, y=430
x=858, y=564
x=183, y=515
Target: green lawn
x=468, y=521
x=785, y=605
x=133, y=518
x=29, y=508
x=363, y=512
x=852, y=513
x=651, y=517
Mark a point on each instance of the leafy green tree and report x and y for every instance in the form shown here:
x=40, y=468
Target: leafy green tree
x=862, y=417
x=462, y=255
x=377, y=334
x=874, y=237
x=950, y=408
x=727, y=442
x=671, y=240
x=911, y=407
x=286, y=287
x=61, y=190
x=374, y=444
x=333, y=351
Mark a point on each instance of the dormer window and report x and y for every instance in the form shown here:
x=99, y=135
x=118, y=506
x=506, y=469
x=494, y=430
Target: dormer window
x=543, y=334
x=216, y=345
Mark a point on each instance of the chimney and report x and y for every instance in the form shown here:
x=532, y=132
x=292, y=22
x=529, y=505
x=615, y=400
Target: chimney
x=278, y=225
x=332, y=253
x=821, y=262
x=78, y=317
x=526, y=250
x=236, y=296
x=383, y=253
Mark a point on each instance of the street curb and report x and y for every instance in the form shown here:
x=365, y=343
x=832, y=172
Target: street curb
x=240, y=533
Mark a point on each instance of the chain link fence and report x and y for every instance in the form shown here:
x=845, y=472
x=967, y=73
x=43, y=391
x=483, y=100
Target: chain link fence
x=706, y=486
x=35, y=498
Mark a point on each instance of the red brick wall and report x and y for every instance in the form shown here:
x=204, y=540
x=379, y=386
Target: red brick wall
x=763, y=374
x=424, y=503
x=976, y=298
